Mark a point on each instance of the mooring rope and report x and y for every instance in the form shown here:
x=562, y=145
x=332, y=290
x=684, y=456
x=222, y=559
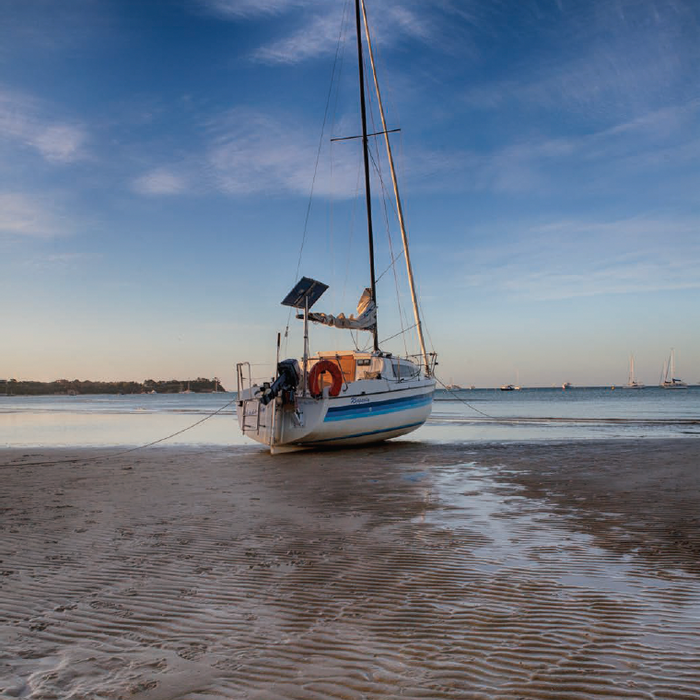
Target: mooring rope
x=121, y=452
x=461, y=400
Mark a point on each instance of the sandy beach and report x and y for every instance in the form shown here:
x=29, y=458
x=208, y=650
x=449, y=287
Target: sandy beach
x=407, y=570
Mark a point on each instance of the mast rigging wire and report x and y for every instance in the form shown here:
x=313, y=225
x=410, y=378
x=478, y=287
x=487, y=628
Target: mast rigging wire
x=376, y=162
x=318, y=152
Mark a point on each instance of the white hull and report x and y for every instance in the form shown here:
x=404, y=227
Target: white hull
x=368, y=411
x=350, y=397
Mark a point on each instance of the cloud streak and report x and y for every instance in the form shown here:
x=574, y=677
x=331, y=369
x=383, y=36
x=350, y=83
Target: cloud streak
x=251, y=152
x=21, y=215
x=613, y=61
x=571, y=259
x=314, y=29
x=247, y=152
x=161, y=181
x=657, y=143
x=229, y=9
x=23, y=120
x=318, y=38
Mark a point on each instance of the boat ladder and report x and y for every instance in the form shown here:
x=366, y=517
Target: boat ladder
x=250, y=407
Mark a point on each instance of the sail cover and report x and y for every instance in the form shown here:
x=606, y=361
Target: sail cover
x=365, y=320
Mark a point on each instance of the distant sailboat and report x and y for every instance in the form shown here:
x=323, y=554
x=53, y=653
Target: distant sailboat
x=513, y=387
x=632, y=383
x=669, y=381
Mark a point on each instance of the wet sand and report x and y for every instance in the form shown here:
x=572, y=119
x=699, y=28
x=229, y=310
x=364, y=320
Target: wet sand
x=406, y=570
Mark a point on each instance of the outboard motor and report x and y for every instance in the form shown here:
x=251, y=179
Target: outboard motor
x=288, y=375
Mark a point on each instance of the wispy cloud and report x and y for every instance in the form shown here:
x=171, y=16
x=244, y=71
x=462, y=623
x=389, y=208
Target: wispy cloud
x=51, y=27
x=61, y=261
x=613, y=61
x=615, y=278
x=251, y=152
x=665, y=121
x=315, y=27
x=22, y=215
x=247, y=152
x=25, y=120
x=161, y=181
x=408, y=22
x=522, y=167
x=318, y=38
x=575, y=258
x=60, y=143
x=656, y=143
x=250, y=8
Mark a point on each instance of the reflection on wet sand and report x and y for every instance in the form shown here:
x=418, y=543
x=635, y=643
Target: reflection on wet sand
x=406, y=570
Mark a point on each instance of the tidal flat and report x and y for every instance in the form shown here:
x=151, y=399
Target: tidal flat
x=412, y=570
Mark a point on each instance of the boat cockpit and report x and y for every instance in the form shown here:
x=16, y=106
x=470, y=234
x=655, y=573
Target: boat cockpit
x=356, y=366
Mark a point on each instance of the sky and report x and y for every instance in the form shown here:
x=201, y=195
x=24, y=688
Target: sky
x=167, y=174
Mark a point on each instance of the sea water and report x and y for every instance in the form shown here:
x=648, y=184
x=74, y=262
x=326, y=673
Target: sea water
x=565, y=414
x=478, y=415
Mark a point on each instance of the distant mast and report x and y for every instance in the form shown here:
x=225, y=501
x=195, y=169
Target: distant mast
x=632, y=380
x=673, y=364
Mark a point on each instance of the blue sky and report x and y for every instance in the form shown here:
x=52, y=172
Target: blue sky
x=156, y=161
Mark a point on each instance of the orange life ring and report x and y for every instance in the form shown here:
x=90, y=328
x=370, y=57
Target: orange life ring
x=315, y=378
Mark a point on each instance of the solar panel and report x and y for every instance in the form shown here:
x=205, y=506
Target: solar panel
x=305, y=288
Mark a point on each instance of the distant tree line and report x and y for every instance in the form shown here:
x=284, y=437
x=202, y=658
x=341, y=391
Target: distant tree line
x=14, y=387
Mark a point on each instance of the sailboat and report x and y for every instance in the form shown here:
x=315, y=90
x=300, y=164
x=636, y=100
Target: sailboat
x=669, y=381
x=349, y=397
x=632, y=382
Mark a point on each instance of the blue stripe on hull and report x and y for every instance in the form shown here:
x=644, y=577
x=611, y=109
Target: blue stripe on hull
x=364, y=410
x=370, y=432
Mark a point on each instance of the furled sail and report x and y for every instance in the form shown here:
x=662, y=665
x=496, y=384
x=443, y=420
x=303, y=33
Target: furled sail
x=365, y=320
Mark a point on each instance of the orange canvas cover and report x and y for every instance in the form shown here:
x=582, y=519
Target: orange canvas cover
x=347, y=369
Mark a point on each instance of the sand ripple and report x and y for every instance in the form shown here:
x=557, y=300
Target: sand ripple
x=230, y=574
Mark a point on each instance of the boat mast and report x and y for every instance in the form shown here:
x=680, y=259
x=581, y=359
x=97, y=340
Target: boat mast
x=399, y=208
x=365, y=153
x=672, y=364
x=630, y=379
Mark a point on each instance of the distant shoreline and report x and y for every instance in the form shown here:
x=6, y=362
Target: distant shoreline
x=77, y=387
x=63, y=387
